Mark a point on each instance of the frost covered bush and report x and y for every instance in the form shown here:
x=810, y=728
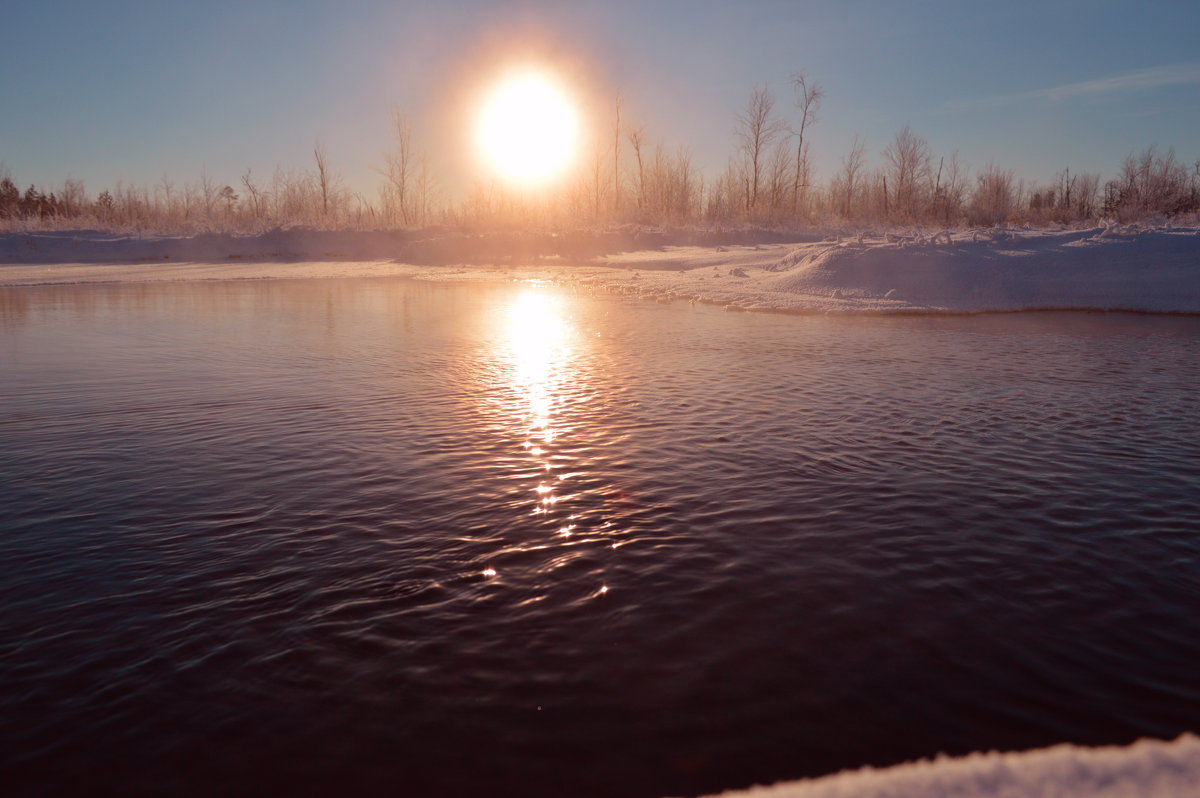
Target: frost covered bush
x=627, y=179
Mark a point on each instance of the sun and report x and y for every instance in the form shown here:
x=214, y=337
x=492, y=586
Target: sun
x=527, y=129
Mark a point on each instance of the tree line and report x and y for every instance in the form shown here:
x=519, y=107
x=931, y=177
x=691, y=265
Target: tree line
x=626, y=178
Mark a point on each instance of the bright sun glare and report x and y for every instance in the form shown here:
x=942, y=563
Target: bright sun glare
x=527, y=128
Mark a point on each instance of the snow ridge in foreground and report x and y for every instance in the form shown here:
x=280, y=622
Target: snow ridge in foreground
x=1145, y=769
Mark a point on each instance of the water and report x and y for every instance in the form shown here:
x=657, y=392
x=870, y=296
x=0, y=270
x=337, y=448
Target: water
x=382, y=537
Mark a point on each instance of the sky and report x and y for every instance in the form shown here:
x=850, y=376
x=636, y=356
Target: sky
x=133, y=91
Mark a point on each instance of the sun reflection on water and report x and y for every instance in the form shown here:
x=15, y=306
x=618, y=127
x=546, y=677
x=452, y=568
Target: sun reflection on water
x=542, y=351
x=538, y=340
x=545, y=374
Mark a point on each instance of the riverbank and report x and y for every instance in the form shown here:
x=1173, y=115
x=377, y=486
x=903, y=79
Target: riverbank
x=1128, y=269
x=1147, y=768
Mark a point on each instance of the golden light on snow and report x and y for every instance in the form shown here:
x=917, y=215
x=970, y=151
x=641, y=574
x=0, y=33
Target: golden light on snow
x=528, y=128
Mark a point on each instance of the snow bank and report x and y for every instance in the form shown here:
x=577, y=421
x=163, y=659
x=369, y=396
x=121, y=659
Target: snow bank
x=1146, y=769
x=1101, y=269
x=1095, y=269
x=1152, y=271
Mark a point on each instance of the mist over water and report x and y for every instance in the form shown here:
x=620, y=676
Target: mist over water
x=385, y=537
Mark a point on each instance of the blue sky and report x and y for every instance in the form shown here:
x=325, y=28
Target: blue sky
x=134, y=90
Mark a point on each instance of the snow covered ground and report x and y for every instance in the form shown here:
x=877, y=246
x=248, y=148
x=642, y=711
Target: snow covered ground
x=1154, y=270
x=1146, y=769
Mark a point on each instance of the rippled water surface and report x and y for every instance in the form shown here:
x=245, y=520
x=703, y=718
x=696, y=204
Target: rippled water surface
x=383, y=537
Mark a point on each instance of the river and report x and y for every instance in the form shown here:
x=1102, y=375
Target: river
x=379, y=536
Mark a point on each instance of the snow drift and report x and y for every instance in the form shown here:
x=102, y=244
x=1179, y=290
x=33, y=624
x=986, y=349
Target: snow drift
x=1146, y=769
x=1098, y=269
x=1149, y=271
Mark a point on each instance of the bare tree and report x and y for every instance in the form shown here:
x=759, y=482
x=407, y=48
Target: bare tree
x=850, y=176
x=255, y=195
x=400, y=167
x=189, y=201
x=597, y=182
x=950, y=191
x=167, y=186
x=73, y=196
x=777, y=180
x=1085, y=196
x=636, y=140
x=673, y=187
x=208, y=191
x=909, y=166
x=808, y=100
x=686, y=186
x=725, y=196
x=757, y=128
x=1066, y=187
x=616, y=187
x=425, y=191
x=324, y=178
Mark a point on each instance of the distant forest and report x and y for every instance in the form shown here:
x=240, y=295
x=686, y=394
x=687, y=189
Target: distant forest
x=769, y=181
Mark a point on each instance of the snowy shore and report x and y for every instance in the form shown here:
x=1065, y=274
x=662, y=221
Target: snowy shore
x=1147, y=769
x=1154, y=270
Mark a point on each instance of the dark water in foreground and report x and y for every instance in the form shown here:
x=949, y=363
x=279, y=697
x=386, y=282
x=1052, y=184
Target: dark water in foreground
x=378, y=537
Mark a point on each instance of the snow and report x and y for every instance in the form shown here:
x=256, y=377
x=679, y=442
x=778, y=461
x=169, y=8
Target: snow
x=1096, y=269
x=1147, y=769
x=1154, y=270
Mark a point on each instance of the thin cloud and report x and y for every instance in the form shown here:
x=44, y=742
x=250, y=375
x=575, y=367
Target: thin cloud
x=1138, y=80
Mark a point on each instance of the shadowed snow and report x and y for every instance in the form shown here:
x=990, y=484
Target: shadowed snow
x=1146, y=769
